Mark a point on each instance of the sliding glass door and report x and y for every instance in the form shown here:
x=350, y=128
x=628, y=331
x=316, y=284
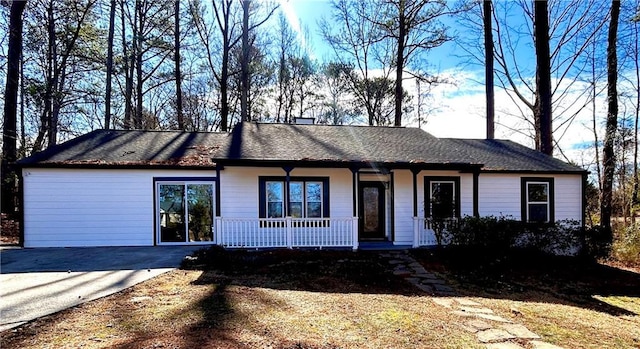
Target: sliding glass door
x=185, y=212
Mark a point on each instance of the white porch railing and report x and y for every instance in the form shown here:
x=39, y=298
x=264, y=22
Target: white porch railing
x=287, y=232
x=424, y=232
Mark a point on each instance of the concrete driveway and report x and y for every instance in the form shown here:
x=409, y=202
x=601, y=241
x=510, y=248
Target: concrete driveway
x=38, y=282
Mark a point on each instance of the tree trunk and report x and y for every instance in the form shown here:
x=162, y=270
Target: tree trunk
x=244, y=70
x=128, y=72
x=608, y=156
x=635, y=200
x=137, y=37
x=488, y=49
x=594, y=117
x=542, y=106
x=52, y=83
x=179, y=112
x=107, y=97
x=224, y=102
x=9, y=134
x=400, y=63
x=23, y=132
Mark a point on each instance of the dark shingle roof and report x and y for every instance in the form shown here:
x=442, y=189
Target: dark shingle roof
x=133, y=148
x=504, y=155
x=283, y=142
x=262, y=143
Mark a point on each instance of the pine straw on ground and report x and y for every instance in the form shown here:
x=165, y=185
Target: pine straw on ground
x=292, y=302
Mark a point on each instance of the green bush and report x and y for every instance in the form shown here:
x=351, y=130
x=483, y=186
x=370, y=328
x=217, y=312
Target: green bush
x=490, y=233
x=597, y=242
x=626, y=247
x=498, y=235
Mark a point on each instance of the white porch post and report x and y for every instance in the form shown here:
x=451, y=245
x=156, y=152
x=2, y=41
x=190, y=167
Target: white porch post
x=354, y=232
x=416, y=232
x=218, y=230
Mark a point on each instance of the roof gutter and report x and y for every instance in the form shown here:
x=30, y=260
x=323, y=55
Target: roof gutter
x=348, y=164
x=116, y=166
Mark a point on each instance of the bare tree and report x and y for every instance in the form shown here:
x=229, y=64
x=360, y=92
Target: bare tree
x=608, y=155
x=573, y=26
x=358, y=41
x=9, y=134
x=107, y=99
x=488, y=44
x=178, y=74
x=414, y=28
x=542, y=111
x=63, y=60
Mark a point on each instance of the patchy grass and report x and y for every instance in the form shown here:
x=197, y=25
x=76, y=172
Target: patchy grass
x=570, y=302
x=276, y=299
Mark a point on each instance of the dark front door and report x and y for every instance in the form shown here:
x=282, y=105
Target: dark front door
x=371, y=211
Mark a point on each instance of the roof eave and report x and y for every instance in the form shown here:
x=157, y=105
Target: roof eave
x=115, y=166
x=512, y=171
x=347, y=164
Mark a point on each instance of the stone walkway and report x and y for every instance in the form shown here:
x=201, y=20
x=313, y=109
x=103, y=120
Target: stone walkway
x=490, y=329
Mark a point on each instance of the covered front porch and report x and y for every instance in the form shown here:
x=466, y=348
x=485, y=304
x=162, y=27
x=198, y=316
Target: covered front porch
x=320, y=233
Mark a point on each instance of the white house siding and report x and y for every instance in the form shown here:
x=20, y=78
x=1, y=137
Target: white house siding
x=403, y=207
x=568, y=197
x=500, y=195
x=92, y=207
x=239, y=194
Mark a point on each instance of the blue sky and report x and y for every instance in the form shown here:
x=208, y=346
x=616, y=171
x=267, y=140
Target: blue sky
x=305, y=14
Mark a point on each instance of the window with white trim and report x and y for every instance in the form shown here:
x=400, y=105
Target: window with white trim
x=442, y=197
x=537, y=197
x=308, y=197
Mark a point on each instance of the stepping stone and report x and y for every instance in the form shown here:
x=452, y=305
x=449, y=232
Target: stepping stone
x=519, y=331
x=402, y=272
x=414, y=281
x=442, y=288
x=491, y=317
x=504, y=345
x=395, y=261
x=494, y=335
x=468, y=302
x=479, y=325
x=433, y=281
x=543, y=345
x=426, y=275
x=425, y=288
x=445, y=302
x=477, y=310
